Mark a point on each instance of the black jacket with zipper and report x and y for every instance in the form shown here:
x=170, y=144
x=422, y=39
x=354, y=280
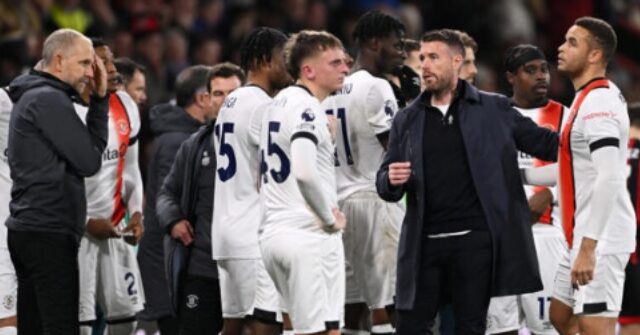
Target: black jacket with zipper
x=50, y=152
x=178, y=200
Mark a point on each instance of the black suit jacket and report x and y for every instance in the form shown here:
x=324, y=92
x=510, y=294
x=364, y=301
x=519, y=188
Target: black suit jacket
x=493, y=132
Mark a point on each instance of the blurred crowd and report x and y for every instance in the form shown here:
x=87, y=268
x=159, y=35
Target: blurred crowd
x=167, y=36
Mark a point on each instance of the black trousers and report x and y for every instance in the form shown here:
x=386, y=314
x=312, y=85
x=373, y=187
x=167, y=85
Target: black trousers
x=457, y=267
x=47, y=269
x=200, y=306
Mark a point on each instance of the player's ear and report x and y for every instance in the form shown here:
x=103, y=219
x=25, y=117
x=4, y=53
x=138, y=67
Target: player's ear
x=510, y=77
x=595, y=55
x=307, y=72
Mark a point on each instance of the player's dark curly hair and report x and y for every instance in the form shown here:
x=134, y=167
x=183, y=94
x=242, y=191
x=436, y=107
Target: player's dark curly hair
x=258, y=47
x=376, y=24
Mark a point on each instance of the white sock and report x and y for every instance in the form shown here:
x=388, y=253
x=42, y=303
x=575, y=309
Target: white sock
x=8, y=331
x=125, y=328
x=386, y=328
x=288, y=332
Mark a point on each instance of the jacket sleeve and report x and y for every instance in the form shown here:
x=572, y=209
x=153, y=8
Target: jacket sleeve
x=168, y=200
x=534, y=140
x=394, y=154
x=80, y=146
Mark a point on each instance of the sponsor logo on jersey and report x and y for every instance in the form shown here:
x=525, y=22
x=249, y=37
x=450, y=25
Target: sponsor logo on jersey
x=308, y=115
x=108, y=155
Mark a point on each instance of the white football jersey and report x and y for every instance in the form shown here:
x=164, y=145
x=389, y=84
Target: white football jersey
x=598, y=115
x=364, y=108
x=117, y=187
x=293, y=113
x=5, y=179
x=236, y=205
x=552, y=116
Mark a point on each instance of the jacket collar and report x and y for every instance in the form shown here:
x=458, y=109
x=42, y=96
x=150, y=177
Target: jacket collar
x=464, y=91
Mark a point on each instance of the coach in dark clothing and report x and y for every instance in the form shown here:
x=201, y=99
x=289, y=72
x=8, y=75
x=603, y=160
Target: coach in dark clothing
x=50, y=152
x=186, y=199
x=453, y=151
x=171, y=125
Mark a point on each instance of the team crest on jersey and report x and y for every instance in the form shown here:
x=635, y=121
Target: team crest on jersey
x=123, y=127
x=388, y=108
x=308, y=115
x=9, y=302
x=192, y=301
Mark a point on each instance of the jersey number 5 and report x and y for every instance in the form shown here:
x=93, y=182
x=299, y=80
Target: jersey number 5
x=274, y=149
x=226, y=150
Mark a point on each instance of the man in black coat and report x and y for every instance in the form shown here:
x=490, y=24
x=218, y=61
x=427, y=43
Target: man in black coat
x=453, y=152
x=185, y=208
x=172, y=125
x=50, y=152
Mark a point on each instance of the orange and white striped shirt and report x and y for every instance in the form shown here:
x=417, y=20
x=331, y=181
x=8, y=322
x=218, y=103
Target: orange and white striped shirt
x=552, y=116
x=117, y=188
x=598, y=117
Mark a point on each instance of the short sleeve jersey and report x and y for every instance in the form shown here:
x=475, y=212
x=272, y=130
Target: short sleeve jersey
x=105, y=189
x=551, y=116
x=236, y=209
x=598, y=118
x=364, y=108
x=293, y=114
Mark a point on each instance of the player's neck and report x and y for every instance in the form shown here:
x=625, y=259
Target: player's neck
x=315, y=90
x=367, y=64
x=260, y=80
x=634, y=132
x=586, y=76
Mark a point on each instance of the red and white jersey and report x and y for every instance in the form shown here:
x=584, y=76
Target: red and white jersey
x=5, y=178
x=552, y=116
x=597, y=116
x=294, y=113
x=364, y=108
x=117, y=187
x=236, y=205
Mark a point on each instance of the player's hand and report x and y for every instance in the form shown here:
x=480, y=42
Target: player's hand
x=101, y=229
x=134, y=230
x=585, y=263
x=399, y=173
x=183, y=231
x=99, y=83
x=339, y=222
x=538, y=204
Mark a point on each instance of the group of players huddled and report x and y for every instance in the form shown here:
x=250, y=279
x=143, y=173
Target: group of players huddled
x=261, y=213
